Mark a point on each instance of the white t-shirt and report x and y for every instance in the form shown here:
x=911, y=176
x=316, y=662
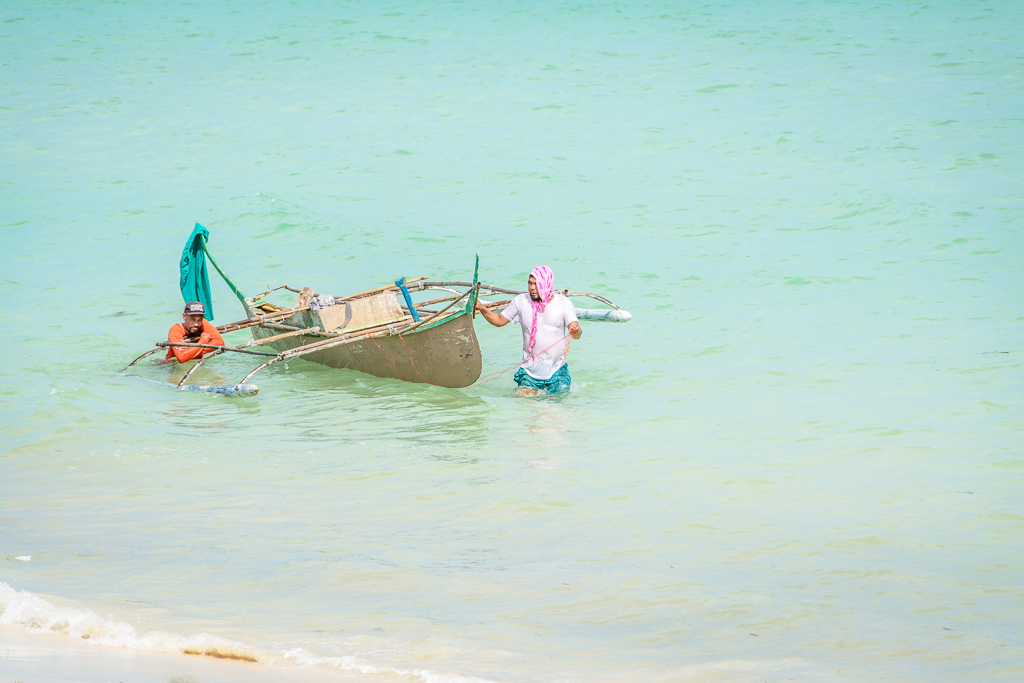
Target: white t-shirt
x=551, y=327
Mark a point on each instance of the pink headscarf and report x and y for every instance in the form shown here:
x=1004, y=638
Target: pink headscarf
x=546, y=289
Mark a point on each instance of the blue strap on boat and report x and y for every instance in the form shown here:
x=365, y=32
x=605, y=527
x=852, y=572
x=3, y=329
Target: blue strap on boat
x=400, y=283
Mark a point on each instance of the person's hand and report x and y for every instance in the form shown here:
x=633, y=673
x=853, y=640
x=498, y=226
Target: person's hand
x=205, y=338
x=481, y=307
x=575, y=330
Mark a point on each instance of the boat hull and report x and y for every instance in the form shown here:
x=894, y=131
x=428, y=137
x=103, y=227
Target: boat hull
x=445, y=353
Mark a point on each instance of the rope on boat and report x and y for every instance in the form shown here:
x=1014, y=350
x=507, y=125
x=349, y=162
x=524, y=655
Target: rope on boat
x=410, y=359
x=389, y=360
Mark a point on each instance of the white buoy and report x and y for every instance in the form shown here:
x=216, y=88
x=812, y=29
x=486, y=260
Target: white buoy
x=226, y=390
x=614, y=315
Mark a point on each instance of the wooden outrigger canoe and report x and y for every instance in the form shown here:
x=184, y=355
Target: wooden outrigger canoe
x=380, y=338
x=368, y=332
x=371, y=332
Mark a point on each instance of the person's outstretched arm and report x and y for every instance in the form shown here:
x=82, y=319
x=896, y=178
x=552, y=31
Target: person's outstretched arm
x=496, y=319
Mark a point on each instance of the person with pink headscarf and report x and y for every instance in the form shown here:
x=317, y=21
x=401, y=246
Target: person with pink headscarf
x=544, y=316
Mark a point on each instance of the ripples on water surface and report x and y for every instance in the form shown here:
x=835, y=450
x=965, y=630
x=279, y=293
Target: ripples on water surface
x=800, y=461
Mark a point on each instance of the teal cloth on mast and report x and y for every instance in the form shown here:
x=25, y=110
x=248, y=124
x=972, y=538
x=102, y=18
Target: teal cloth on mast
x=195, y=283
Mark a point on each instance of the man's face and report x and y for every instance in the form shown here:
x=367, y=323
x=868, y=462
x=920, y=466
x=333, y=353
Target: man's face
x=193, y=324
x=532, y=286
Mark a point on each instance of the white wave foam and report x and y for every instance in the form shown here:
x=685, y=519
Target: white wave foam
x=32, y=613
x=305, y=660
x=35, y=615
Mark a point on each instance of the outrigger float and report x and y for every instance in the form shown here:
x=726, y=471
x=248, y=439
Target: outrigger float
x=375, y=332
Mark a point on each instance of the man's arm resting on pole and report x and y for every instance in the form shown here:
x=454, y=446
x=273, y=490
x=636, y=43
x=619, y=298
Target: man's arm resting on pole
x=496, y=319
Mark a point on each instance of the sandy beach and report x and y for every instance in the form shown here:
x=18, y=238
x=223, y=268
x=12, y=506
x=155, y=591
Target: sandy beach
x=48, y=658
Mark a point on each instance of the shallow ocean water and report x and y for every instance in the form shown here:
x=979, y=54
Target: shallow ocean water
x=800, y=460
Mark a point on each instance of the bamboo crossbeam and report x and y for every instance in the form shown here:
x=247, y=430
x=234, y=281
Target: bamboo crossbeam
x=267, y=340
x=260, y=296
x=378, y=289
x=293, y=328
x=355, y=296
x=349, y=336
x=280, y=326
x=503, y=290
x=260, y=319
x=186, y=345
x=457, y=283
x=458, y=295
x=254, y=342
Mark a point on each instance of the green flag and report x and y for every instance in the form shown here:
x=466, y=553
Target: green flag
x=195, y=283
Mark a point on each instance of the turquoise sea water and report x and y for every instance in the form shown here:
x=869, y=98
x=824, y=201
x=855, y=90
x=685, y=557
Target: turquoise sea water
x=800, y=461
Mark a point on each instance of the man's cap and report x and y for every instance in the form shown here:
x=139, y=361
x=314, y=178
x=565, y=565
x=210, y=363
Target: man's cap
x=195, y=308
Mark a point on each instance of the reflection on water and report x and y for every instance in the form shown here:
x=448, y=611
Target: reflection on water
x=548, y=423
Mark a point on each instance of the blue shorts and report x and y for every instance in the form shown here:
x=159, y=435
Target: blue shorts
x=558, y=383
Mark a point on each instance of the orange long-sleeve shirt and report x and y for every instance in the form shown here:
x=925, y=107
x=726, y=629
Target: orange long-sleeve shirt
x=183, y=354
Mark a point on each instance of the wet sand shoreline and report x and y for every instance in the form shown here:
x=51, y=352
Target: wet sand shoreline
x=50, y=658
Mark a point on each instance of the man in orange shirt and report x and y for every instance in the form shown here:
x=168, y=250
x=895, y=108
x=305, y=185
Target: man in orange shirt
x=195, y=329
